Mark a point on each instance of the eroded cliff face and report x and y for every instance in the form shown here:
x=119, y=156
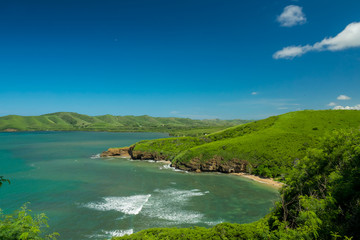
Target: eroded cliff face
x=117, y=152
x=216, y=164
x=141, y=155
x=128, y=152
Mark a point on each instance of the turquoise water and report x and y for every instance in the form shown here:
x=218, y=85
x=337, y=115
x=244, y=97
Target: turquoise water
x=86, y=197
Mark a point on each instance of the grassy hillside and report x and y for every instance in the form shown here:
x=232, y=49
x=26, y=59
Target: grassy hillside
x=320, y=201
x=68, y=121
x=270, y=147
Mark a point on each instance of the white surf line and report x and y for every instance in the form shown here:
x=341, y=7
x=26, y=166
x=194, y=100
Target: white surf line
x=131, y=205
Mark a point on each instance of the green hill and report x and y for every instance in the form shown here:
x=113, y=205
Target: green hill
x=268, y=147
x=68, y=121
x=321, y=198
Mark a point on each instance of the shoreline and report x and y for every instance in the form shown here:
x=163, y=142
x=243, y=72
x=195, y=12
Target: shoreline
x=267, y=181
x=119, y=154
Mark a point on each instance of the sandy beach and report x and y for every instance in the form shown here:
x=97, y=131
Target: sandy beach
x=268, y=181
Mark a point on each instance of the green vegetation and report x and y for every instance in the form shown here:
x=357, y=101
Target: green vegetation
x=169, y=147
x=22, y=226
x=320, y=201
x=271, y=146
x=67, y=121
x=321, y=198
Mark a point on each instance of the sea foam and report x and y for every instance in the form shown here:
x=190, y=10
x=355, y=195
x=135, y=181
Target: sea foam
x=168, y=166
x=109, y=234
x=169, y=205
x=119, y=233
x=129, y=205
x=95, y=156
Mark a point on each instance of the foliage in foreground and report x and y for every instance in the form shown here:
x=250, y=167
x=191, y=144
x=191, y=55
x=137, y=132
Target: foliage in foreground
x=22, y=226
x=320, y=201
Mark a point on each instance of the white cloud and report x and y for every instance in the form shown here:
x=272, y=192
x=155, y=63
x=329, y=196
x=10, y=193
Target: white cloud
x=291, y=16
x=292, y=51
x=348, y=38
x=343, y=97
x=254, y=93
x=356, y=107
x=331, y=104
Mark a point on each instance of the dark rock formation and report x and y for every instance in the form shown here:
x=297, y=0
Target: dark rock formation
x=128, y=152
x=141, y=155
x=216, y=164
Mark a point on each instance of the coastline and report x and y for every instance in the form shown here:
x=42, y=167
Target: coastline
x=267, y=181
x=126, y=152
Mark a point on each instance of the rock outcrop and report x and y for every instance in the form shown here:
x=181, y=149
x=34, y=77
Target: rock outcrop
x=142, y=155
x=10, y=130
x=128, y=152
x=117, y=152
x=216, y=164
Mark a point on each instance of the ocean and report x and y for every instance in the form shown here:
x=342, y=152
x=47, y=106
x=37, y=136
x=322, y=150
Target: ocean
x=88, y=197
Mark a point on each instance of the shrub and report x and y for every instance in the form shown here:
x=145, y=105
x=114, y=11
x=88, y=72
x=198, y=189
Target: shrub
x=22, y=226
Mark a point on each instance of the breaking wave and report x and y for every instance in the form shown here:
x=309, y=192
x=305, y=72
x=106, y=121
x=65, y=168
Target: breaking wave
x=169, y=205
x=168, y=166
x=95, y=156
x=128, y=205
x=110, y=234
x=119, y=233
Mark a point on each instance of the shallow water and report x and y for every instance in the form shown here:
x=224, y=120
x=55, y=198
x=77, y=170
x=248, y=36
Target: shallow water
x=87, y=197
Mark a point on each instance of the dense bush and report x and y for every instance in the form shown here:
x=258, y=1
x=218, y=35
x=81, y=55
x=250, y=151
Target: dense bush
x=324, y=188
x=22, y=226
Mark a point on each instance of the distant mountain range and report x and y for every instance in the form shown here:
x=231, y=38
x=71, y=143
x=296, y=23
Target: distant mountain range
x=69, y=121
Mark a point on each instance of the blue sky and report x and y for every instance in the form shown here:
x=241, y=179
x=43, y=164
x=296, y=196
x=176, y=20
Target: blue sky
x=181, y=58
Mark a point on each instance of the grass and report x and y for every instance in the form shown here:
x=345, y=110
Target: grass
x=271, y=146
x=320, y=199
x=67, y=121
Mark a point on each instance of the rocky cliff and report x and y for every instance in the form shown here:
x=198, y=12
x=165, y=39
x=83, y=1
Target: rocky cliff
x=216, y=164
x=117, y=152
x=128, y=152
x=141, y=155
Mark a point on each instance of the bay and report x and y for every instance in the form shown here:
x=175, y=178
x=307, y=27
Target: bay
x=87, y=197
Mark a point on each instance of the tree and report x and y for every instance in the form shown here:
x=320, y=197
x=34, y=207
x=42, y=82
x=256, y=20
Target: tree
x=322, y=195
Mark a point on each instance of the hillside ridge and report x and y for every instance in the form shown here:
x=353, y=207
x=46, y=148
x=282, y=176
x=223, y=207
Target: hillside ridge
x=268, y=147
x=72, y=121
